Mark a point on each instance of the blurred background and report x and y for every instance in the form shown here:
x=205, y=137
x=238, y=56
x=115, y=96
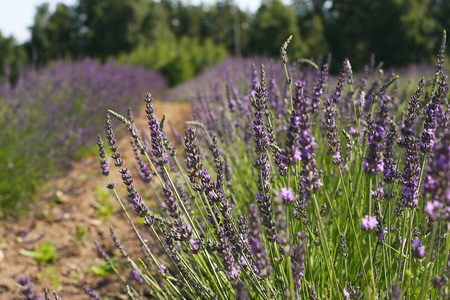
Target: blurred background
x=181, y=38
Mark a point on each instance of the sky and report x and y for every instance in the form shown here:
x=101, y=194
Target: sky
x=17, y=15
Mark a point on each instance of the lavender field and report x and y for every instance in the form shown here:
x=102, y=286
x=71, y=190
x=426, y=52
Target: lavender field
x=52, y=116
x=288, y=183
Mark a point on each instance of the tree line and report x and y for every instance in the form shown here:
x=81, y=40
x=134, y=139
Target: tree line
x=180, y=39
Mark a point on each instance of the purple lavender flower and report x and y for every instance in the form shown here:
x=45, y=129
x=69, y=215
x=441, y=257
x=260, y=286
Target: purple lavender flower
x=144, y=171
x=431, y=207
x=334, y=145
x=118, y=243
x=287, y=196
x=291, y=154
x=434, y=108
x=390, y=168
x=113, y=143
x=27, y=288
x=231, y=102
x=232, y=269
x=283, y=50
x=194, y=159
x=373, y=162
x=137, y=276
x=419, y=251
x=162, y=269
x=369, y=223
x=262, y=162
x=241, y=291
x=436, y=185
x=104, y=163
x=407, y=129
x=90, y=292
x=257, y=246
x=134, y=197
x=410, y=176
x=102, y=253
x=396, y=292
x=344, y=246
x=319, y=89
x=310, y=178
x=341, y=81
x=298, y=258
x=180, y=231
x=346, y=294
x=157, y=135
x=196, y=246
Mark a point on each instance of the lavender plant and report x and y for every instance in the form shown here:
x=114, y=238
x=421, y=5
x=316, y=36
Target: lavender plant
x=50, y=117
x=295, y=190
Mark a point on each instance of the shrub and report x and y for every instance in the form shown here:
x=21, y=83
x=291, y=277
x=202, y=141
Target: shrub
x=50, y=117
x=178, y=60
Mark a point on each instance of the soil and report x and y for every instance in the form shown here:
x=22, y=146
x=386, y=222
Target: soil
x=73, y=201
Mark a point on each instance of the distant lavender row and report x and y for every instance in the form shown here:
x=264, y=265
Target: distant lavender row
x=235, y=70
x=53, y=114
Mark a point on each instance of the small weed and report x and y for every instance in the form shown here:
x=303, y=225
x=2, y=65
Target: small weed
x=104, y=207
x=81, y=233
x=52, y=274
x=105, y=268
x=44, y=256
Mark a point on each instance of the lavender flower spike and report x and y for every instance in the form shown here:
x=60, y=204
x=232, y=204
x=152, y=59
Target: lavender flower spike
x=91, y=292
x=157, y=135
x=104, y=163
x=436, y=186
x=319, y=89
x=134, y=197
x=27, y=288
x=434, y=108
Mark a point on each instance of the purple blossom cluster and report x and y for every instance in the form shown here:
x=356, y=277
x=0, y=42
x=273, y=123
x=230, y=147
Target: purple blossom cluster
x=436, y=187
x=434, y=109
x=369, y=223
x=241, y=236
x=310, y=177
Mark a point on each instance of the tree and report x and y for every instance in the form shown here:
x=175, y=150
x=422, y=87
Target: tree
x=12, y=57
x=396, y=31
x=273, y=24
x=37, y=47
x=111, y=27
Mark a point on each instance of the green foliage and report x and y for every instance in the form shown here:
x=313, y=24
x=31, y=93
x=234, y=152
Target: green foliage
x=44, y=256
x=12, y=58
x=270, y=28
x=51, y=273
x=178, y=60
x=404, y=31
x=151, y=33
x=81, y=234
x=105, y=269
x=104, y=206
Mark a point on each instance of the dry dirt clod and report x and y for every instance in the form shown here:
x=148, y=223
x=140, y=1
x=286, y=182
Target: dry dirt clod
x=61, y=197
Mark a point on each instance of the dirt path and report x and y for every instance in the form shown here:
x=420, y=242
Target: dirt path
x=74, y=203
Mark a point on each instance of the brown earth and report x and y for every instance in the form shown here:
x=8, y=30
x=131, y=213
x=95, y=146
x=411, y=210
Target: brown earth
x=75, y=200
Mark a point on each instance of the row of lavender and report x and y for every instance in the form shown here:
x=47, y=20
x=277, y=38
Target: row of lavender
x=51, y=116
x=299, y=189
